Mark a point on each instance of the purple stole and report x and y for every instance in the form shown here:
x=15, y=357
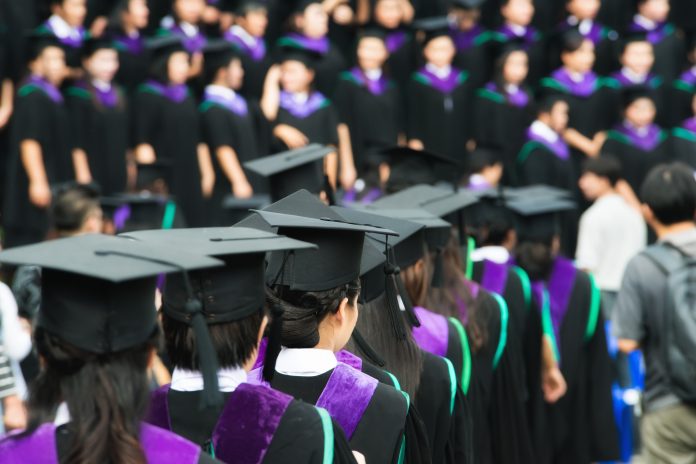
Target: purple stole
x=108, y=99
x=246, y=426
x=465, y=40
x=626, y=82
x=558, y=148
x=463, y=310
x=395, y=40
x=585, y=88
x=494, y=277
x=67, y=41
x=432, y=335
x=314, y=102
x=530, y=34
x=655, y=35
x=46, y=87
x=193, y=44
x=347, y=395
x=236, y=105
x=256, y=52
x=132, y=45
x=375, y=87
x=160, y=447
x=175, y=93
x=446, y=85
x=646, y=142
x=690, y=125
x=520, y=98
x=319, y=45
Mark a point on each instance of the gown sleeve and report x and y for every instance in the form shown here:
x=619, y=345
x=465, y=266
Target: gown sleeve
x=536, y=168
x=415, y=447
x=145, y=116
x=216, y=132
x=342, y=453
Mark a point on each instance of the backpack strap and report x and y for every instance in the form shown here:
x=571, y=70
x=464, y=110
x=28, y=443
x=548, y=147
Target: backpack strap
x=663, y=256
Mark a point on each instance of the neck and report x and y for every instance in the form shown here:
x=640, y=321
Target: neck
x=662, y=230
x=608, y=191
x=130, y=29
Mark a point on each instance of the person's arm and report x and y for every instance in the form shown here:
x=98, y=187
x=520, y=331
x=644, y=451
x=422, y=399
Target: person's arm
x=270, y=101
x=81, y=165
x=229, y=163
x=624, y=189
x=628, y=313
x=348, y=173
x=552, y=381
x=590, y=147
x=205, y=164
x=145, y=154
x=588, y=250
x=627, y=346
x=6, y=102
x=33, y=163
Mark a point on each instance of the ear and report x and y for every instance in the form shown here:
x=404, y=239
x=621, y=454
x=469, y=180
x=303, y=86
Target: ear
x=341, y=314
x=420, y=264
x=151, y=358
x=262, y=330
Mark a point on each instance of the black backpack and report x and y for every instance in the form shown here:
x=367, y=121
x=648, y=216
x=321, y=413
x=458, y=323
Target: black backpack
x=679, y=318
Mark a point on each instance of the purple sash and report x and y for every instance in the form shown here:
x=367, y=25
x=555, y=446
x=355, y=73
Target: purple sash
x=690, y=124
x=246, y=426
x=346, y=357
x=375, y=87
x=446, y=85
x=314, y=102
x=432, y=335
x=319, y=45
x=655, y=35
x=584, y=88
x=646, y=142
x=160, y=446
x=346, y=396
x=257, y=51
x=494, y=276
x=559, y=148
x=560, y=287
x=462, y=308
x=49, y=89
x=464, y=40
x=176, y=93
x=395, y=40
x=236, y=105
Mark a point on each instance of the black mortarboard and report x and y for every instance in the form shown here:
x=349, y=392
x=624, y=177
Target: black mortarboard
x=130, y=212
x=438, y=201
x=538, y=217
x=309, y=58
x=38, y=41
x=467, y=4
x=411, y=167
x=163, y=46
x=301, y=5
x=337, y=262
x=237, y=209
x=153, y=173
x=94, y=44
x=292, y=170
x=433, y=28
x=635, y=92
x=217, y=54
x=372, y=31
x=98, y=291
x=242, y=7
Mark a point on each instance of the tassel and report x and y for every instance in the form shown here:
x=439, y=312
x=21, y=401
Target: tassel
x=274, y=341
x=207, y=358
x=329, y=191
x=367, y=350
x=438, y=271
x=411, y=317
x=392, y=300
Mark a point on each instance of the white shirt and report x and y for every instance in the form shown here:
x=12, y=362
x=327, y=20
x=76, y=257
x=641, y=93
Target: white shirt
x=634, y=76
x=516, y=29
x=373, y=74
x=300, y=97
x=584, y=26
x=648, y=24
x=190, y=381
x=62, y=29
x=221, y=91
x=305, y=362
x=240, y=32
x=544, y=131
x=442, y=72
x=101, y=85
x=497, y=254
x=610, y=234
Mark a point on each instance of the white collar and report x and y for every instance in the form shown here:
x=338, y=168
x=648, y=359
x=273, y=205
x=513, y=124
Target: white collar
x=442, y=72
x=516, y=29
x=101, y=85
x=585, y=26
x=575, y=76
x=544, y=131
x=300, y=97
x=62, y=415
x=511, y=88
x=221, y=91
x=62, y=29
x=648, y=24
x=305, y=362
x=373, y=74
x=477, y=180
x=633, y=76
x=497, y=254
x=189, y=381
x=189, y=29
x=242, y=33
x=641, y=131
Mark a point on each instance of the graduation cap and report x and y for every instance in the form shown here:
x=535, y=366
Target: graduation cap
x=94, y=44
x=438, y=26
x=150, y=174
x=304, y=217
x=236, y=209
x=163, y=46
x=243, y=7
x=292, y=170
x=411, y=167
x=38, y=41
x=538, y=217
x=217, y=54
x=98, y=291
x=302, y=5
x=631, y=94
x=435, y=200
x=467, y=4
x=308, y=57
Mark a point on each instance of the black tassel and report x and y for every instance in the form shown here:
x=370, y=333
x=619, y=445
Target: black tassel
x=438, y=265
x=365, y=347
x=274, y=341
x=207, y=358
x=392, y=299
x=329, y=191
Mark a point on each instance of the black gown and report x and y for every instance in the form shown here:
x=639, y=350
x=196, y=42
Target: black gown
x=372, y=111
x=133, y=59
x=501, y=121
x=246, y=132
x=42, y=117
x=295, y=439
x=379, y=434
x=168, y=120
x=256, y=61
x=440, y=112
x=680, y=97
x=474, y=53
x=683, y=143
x=637, y=155
x=100, y=128
x=618, y=83
x=316, y=119
x=403, y=56
x=581, y=425
x=542, y=162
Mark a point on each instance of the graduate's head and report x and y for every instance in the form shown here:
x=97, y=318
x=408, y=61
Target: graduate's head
x=486, y=163
x=170, y=61
x=577, y=52
x=599, y=176
x=178, y=66
x=297, y=71
x=553, y=110
x=75, y=210
x=638, y=55
x=439, y=50
x=72, y=12
x=512, y=67
x=388, y=13
x=583, y=9
x=188, y=11
x=639, y=107
x=253, y=17
x=371, y=50
x=654, y=10
x=310, y=19
x=517, y=12
x=132, y=14
x=466, y=13
x=100, y=59
x=47, y=59
x=668, y=194
x=222, y=65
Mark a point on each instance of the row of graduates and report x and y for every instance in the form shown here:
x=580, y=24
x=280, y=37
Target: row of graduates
x=461, y=381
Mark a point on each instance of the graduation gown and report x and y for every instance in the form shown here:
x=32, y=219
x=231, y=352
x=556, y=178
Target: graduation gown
x=372, y=111
x=40, y=115
x=683, y=143
x=71, y=45
x=329, y=65
x=316, y=118
x=680, y=97
x=166, y=117
x=605, y=40
x=541, y=161
x=474, y=53
x=501, y=120
x=256, y=61
x=619, y=82
x=378, y=432
x=638, y=154
x=133, y=59
x=581, y=425
x=670, y=54
x=440, y=112
x=237, y=123
x=290, y=431
x=100, y=128
x=533, y=43
x=403, y=56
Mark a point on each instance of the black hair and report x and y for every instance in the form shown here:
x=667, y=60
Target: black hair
x=495, y=226
x=402, y=358
x=632, y=40
x=500, y=64
x=234, y=342
x=304, y=311
x=548, y=102
x=670, y=192
x=71, y=206
x=571, y=41
x=107, y=396
x=536, y=258
x=606, y=166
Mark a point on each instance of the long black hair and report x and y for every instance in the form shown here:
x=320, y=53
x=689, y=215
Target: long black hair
x=107, y=396
x=536, y=257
